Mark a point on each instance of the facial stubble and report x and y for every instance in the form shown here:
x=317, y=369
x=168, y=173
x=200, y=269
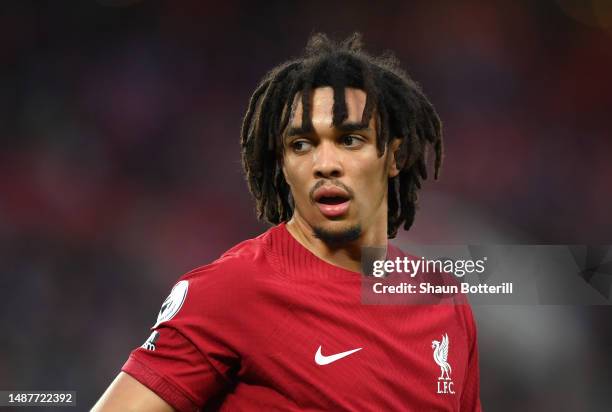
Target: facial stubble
x=337, y=238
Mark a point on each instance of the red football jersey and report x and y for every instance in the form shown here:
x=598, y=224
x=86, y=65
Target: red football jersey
x=271, y=327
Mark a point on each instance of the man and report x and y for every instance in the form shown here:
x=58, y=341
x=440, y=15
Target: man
x=333, y=145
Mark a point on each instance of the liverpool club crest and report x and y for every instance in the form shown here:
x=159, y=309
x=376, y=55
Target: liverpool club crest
x=440, y=355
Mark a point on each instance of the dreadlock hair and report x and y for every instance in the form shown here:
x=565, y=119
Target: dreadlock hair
x=401, y=108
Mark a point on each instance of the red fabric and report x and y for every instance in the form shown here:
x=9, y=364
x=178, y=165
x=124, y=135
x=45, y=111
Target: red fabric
x=246, y=335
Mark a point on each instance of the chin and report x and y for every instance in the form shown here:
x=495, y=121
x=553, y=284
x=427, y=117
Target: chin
x=337, y=233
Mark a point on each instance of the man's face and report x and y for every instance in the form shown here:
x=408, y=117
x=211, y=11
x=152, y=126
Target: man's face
x=338, y=181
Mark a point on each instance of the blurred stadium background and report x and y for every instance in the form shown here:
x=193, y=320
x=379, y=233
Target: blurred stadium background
x=119, y=167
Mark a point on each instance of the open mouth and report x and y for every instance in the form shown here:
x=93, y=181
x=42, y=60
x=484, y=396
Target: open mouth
x=332, y=201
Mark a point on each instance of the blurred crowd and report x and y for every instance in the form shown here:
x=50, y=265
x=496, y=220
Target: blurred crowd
x=120, y=166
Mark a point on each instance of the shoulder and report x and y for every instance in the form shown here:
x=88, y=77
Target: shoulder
x=218, y=289
x=237, y=271
x=243, y=262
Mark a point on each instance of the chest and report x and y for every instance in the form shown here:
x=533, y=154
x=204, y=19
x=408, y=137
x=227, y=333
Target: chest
x=321, y=348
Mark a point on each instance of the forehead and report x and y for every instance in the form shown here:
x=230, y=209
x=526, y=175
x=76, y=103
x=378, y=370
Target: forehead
x=322, y=106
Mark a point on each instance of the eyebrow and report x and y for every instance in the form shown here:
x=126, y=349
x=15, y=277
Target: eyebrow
x=296, y=131
x=353, y=127
x=344, y=127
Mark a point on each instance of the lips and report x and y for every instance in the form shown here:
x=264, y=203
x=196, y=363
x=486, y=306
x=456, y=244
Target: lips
x=332, y=201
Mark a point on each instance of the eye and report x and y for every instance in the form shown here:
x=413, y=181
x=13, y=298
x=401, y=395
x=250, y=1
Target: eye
x=352, y=141
x=300, y=146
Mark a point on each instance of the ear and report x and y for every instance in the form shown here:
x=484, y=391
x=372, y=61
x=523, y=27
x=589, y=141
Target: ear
x=392, y=159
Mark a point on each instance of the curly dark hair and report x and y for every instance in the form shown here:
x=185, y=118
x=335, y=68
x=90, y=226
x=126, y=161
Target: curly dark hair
x=401, y=108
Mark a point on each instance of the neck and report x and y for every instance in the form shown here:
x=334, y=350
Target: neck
x=347, y=255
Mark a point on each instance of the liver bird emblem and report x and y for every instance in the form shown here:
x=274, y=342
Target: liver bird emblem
x=440, y=355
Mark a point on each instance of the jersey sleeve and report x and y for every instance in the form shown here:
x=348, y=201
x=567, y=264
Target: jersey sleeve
x=172, y=367
x=188, y=358
x=470, y=397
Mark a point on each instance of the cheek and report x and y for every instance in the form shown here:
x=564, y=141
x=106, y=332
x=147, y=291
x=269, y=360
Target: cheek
x=294, y=174
x=370, y=180
x=370, y=170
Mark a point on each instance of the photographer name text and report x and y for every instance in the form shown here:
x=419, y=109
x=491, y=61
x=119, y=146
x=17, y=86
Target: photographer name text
x=503, y=288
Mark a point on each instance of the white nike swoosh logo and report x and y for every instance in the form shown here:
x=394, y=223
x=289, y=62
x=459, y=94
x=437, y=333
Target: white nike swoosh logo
x=321, y=359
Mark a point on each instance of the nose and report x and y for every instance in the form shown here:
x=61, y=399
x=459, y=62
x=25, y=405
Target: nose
x=327, y=162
